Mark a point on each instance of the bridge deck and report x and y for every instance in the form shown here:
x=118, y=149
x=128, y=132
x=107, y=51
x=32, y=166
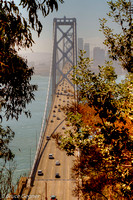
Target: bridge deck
x=61, y=187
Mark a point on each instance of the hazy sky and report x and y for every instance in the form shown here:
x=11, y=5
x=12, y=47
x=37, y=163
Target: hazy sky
x=87, y=13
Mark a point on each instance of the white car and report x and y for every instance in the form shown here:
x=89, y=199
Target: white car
x=57, y=163
x=51, y=156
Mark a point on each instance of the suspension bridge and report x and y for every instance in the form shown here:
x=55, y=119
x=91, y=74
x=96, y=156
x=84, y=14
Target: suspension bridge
x=61, y=92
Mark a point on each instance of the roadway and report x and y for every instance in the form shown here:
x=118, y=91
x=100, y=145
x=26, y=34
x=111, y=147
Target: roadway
x=47, y=184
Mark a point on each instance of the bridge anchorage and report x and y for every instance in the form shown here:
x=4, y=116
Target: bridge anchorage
x=64, y=51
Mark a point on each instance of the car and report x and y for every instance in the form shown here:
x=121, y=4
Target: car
x=57, y=175
x=51, y=156
x=53, y=197
x=57, y=163
x=48, y=137
x=40, y=173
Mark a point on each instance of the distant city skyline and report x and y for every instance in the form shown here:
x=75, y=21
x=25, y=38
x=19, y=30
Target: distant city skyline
x=98, y=53
x=87, y=14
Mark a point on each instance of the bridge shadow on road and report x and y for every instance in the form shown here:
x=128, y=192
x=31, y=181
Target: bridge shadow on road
x=40, y=156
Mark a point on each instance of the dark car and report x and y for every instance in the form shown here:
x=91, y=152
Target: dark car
x=51, y=156
x=48, y=137
x=57, y=175
x=53, y=197
x=40, y=173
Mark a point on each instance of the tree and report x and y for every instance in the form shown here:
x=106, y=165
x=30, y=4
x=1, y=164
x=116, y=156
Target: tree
x=7, y=166
x=6, y=136
x=6, y=179
x=16, y=90
x=45, y=6
x=15, y=33
x=120, y=44
x=104, y=140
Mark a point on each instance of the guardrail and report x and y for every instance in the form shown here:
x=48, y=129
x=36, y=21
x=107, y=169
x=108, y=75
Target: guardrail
x=47, y=111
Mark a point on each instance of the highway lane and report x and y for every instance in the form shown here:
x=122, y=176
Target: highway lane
x=61, y=187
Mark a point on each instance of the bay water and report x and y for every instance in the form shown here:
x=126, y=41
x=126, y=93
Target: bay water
x=27, y=130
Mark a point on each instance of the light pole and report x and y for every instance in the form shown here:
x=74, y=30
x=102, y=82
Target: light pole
x=30, y=159
x=45, y=190
x=36, y=140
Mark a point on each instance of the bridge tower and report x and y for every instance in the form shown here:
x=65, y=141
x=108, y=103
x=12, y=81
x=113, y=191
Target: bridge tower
x=64, y=50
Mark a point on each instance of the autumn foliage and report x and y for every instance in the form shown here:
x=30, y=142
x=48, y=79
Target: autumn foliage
x=101, y=133
x=99, y=170
x=89, y=115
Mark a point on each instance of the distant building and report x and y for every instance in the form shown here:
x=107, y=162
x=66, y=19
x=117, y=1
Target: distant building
x=87, y=49
x=118, y=68
x=98, y=56
x=80, y=44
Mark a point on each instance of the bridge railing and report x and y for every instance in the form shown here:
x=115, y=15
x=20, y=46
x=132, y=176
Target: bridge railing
x=47, y=111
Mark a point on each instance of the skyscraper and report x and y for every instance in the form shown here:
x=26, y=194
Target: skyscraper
x=87, y=49
x=80, y=44
x=98, y=56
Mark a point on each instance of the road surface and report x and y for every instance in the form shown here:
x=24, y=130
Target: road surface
x=47, y=185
